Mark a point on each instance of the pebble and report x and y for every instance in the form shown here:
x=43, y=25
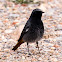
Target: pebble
x=59, y=26
x=23, y=57
x=3, y=37
x=8, y=31
x=52, y=48
x=4, y=40
x=59, y=38
x=6, y=50
x=51, y=51
x=1, y=23
x=40, y=58
x=13, y=15
x=54, y=59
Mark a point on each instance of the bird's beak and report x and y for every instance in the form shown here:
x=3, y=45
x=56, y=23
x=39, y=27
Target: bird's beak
x=43, y=12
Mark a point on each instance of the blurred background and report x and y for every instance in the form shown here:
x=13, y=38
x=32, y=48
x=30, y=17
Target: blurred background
x=13, y=16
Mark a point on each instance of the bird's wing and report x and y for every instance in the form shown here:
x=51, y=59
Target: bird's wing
x=25, y=30
x=20, y=41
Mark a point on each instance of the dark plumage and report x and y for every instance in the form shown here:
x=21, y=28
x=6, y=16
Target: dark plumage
x=33, y=30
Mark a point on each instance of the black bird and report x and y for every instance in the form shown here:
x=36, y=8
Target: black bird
x=33, y=30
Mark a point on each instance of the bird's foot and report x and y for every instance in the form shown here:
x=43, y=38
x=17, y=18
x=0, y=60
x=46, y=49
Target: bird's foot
x=37, y=46
x=29, y=54
x=38, y=49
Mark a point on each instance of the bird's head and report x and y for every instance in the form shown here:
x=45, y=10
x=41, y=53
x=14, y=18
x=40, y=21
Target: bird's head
x=37, y=13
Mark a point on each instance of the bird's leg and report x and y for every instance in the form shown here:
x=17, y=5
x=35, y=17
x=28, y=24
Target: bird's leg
x=28, y=48
x=37, y=46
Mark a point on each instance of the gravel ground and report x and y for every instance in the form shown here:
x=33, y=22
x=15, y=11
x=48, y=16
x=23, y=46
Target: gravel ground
x=12, y=20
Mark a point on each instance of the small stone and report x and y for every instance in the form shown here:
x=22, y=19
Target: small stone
x=14, y=15
x=52, y=48
x=59, y=38
x=3, y=37
x=8, y=31
x=23, y=57
x=1, y=23
x=5, y=40
x=40, y=58
x=56, y=46
x=35, y=1
x=15, y=23
x=54, y=59
x=51, y=51
x=59, y=27
x=6, y=50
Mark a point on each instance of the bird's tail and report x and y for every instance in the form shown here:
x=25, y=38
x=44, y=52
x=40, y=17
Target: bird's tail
x=18, y=44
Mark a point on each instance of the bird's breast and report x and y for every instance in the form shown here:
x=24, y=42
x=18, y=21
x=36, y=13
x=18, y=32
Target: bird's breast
x=33, y=35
